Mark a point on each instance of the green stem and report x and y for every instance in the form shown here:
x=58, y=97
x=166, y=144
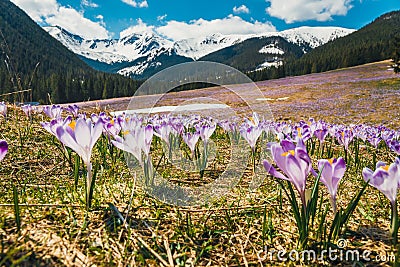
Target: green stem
x=394, y=223
x=88, y=185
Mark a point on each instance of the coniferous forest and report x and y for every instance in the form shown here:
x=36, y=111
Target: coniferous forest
x=32, y=59
x=374, y=42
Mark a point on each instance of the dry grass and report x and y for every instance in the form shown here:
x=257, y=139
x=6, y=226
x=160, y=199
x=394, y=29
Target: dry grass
x=237, y=229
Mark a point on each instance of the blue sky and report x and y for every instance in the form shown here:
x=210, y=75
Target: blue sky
x=179, y=19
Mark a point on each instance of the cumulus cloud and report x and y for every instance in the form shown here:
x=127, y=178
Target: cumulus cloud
x=138, y=28
x=51, y=13
x=38, y=10
x=75, y=22
x=88, y=3
x=134, y=3
x=177, y=30
x=301, y=10
x=241, y=9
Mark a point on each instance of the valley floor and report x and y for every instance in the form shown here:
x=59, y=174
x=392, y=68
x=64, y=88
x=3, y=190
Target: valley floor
x=368, y=93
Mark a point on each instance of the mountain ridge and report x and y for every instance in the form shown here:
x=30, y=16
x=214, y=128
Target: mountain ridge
x=144, y=53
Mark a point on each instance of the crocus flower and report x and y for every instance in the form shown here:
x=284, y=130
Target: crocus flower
x=251, y=134
x=81, y=136
x=53, y=111
x=73, y=109
x=345, y=137
x=303, y=131
x=321, y=134
x=52, y=126
x=113, y=126
x=3, y=149
x=206, y=129
x=147, y=135
x=3, y=109
x=163, y=130
x=394, y=145
x=27, y=109
x=135, y=140
x=385, y=178
x=191, y=140
x=332, y=170
x=294, y=161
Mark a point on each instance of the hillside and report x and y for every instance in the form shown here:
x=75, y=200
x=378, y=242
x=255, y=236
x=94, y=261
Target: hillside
x=373, y=42
x=346, y=95
x=59, y=72
x=256, y=53
x=141, y=54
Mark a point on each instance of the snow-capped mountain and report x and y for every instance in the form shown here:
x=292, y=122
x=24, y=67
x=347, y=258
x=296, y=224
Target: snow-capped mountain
x=128, y=48
x=196, y=48
x=141, y=54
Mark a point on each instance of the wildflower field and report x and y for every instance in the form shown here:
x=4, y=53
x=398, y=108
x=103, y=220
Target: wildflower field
x=80, y=187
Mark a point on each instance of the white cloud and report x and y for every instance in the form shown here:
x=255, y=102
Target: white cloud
x=144, y=4
x=89, y=3
x=75, y=22
x=51, y=13
x=138, y=28
x=241, y=9
x=177, y=30
x=302, y=10
x=161, y=18
x=134, y=3
x=38, y=9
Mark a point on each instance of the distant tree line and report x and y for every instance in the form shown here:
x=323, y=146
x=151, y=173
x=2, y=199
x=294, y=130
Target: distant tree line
x=374, y=42
x=32, y=59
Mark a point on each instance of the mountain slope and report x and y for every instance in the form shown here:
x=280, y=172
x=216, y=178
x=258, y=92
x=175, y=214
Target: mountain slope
x=30, y=55
x=272, y=49
x=141, y=54
x=256, y=53
x=373, y=42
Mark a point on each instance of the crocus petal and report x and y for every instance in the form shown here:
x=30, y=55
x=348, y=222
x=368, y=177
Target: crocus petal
x=3, y=149
x=367, y=174
x=82, y=133
x=271, y=170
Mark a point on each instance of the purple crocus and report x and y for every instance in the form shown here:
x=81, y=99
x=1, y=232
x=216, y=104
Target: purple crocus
x=163, y=130
x=344, y=137
x=394, y=145
x=321, y=134
x=191, y=140
x=81, y=136
x=385, y=178
x=135, y=140
x=27, y=109
x=251, y=134
x=331, y=171
x=294, y=161
x=3, y=149
x=52, y=126
x=206, y=129
x=53, y=112
x=112, y=127
x=73, y=109
x=147, y=135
